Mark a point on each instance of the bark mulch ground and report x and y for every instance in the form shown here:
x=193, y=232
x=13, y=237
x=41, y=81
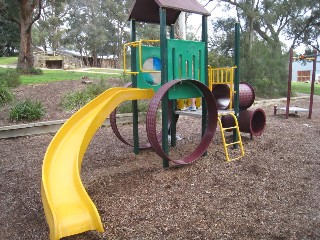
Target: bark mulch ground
x=271, y=193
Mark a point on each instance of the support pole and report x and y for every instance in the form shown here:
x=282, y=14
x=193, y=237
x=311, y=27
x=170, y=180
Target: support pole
x=164, y=79
x=314, y=68
x=289, y=83
x=173, y=127
x=204, y=106
x=236, y=81
x=135, y=120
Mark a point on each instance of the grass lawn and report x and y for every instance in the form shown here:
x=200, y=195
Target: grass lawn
x=8, y=60
x=59, y=75
x=301, y=87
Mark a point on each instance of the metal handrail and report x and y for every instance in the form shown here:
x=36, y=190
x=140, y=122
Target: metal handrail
x=222, y=76
x=139, y=45
x=140, y=53
x=132, y=44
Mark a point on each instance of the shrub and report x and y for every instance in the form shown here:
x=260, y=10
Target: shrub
x=30, y=71
x=75, y=100
x=125, y=77
x=126, y=107
x=6, y=96
x=28, y=110
x=10, y=78
x=97, y=89
x=265, y=85
x=35, y=71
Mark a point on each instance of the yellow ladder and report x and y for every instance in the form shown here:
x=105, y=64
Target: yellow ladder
x=225, y=144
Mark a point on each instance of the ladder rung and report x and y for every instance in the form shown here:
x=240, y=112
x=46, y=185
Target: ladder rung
x=229, y=128
x=232, y=159
x=226, y=145
x=233, y=143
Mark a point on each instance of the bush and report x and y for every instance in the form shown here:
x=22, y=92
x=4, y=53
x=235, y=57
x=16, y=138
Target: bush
x=28, y=110
x=75, y=100
x=126, y=107
x=97, y=89
x=125, y=77
x=30, y=71
x=6, y=96
x=10, y=78
x=266, y=70
x=269, y=88
x=35, y=71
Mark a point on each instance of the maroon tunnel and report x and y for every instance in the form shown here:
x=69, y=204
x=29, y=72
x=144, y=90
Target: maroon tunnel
x=221, y=92
x=250, y=121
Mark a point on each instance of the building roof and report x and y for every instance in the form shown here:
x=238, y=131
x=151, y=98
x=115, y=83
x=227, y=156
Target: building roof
x=148, y=10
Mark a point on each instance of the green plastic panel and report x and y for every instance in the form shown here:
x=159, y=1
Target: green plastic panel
x=184, y=90
x=150, y=61
x=185, y=61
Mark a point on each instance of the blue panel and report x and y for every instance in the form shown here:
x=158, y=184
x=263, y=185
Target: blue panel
x=156, y=64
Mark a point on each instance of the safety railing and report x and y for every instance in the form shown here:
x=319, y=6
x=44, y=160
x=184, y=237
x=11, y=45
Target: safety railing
x=222, y=76
x=138, y=44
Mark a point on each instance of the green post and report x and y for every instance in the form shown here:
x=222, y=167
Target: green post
x=172, y=31
x=164, y=79
x=236, y=76
x=205, y=40
x=134, y=84
x=173, y=127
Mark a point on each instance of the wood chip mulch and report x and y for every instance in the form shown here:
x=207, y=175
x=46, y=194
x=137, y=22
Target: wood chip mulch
x=271, y=193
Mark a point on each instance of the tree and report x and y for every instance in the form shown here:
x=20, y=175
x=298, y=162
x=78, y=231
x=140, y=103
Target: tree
x=87, y=28
x=305, y=27
x=268, y=19
x=222, y=42
x=48, y=29
x=117, y=12
x=98, y=27
x=24, y=13
x=262, y=62
x=9, y=37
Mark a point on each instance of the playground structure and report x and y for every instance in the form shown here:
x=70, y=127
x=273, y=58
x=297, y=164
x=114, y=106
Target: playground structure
x=176, y=69
x=295, y=109
x=249, y=121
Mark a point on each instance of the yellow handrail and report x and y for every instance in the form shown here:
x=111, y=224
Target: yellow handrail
x=133, y=44
x=139, y=45
x=140, y=53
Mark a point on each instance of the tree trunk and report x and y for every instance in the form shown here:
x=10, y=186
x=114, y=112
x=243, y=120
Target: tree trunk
x=94, y=58
x=26, y=59
x=27, y=18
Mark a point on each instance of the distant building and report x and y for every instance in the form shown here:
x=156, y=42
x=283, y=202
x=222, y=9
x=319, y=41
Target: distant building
x=302, y=72
x=68, y=59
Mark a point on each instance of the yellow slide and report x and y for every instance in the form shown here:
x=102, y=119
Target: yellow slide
x=68, y=208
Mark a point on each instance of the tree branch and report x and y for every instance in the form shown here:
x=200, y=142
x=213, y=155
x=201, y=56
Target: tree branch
x=303, y=30
x=234, y=3
x=37, y=16
x=257, y=28
x=4, y=10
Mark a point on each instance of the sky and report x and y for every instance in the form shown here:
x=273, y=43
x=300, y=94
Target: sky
x=216, y=11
